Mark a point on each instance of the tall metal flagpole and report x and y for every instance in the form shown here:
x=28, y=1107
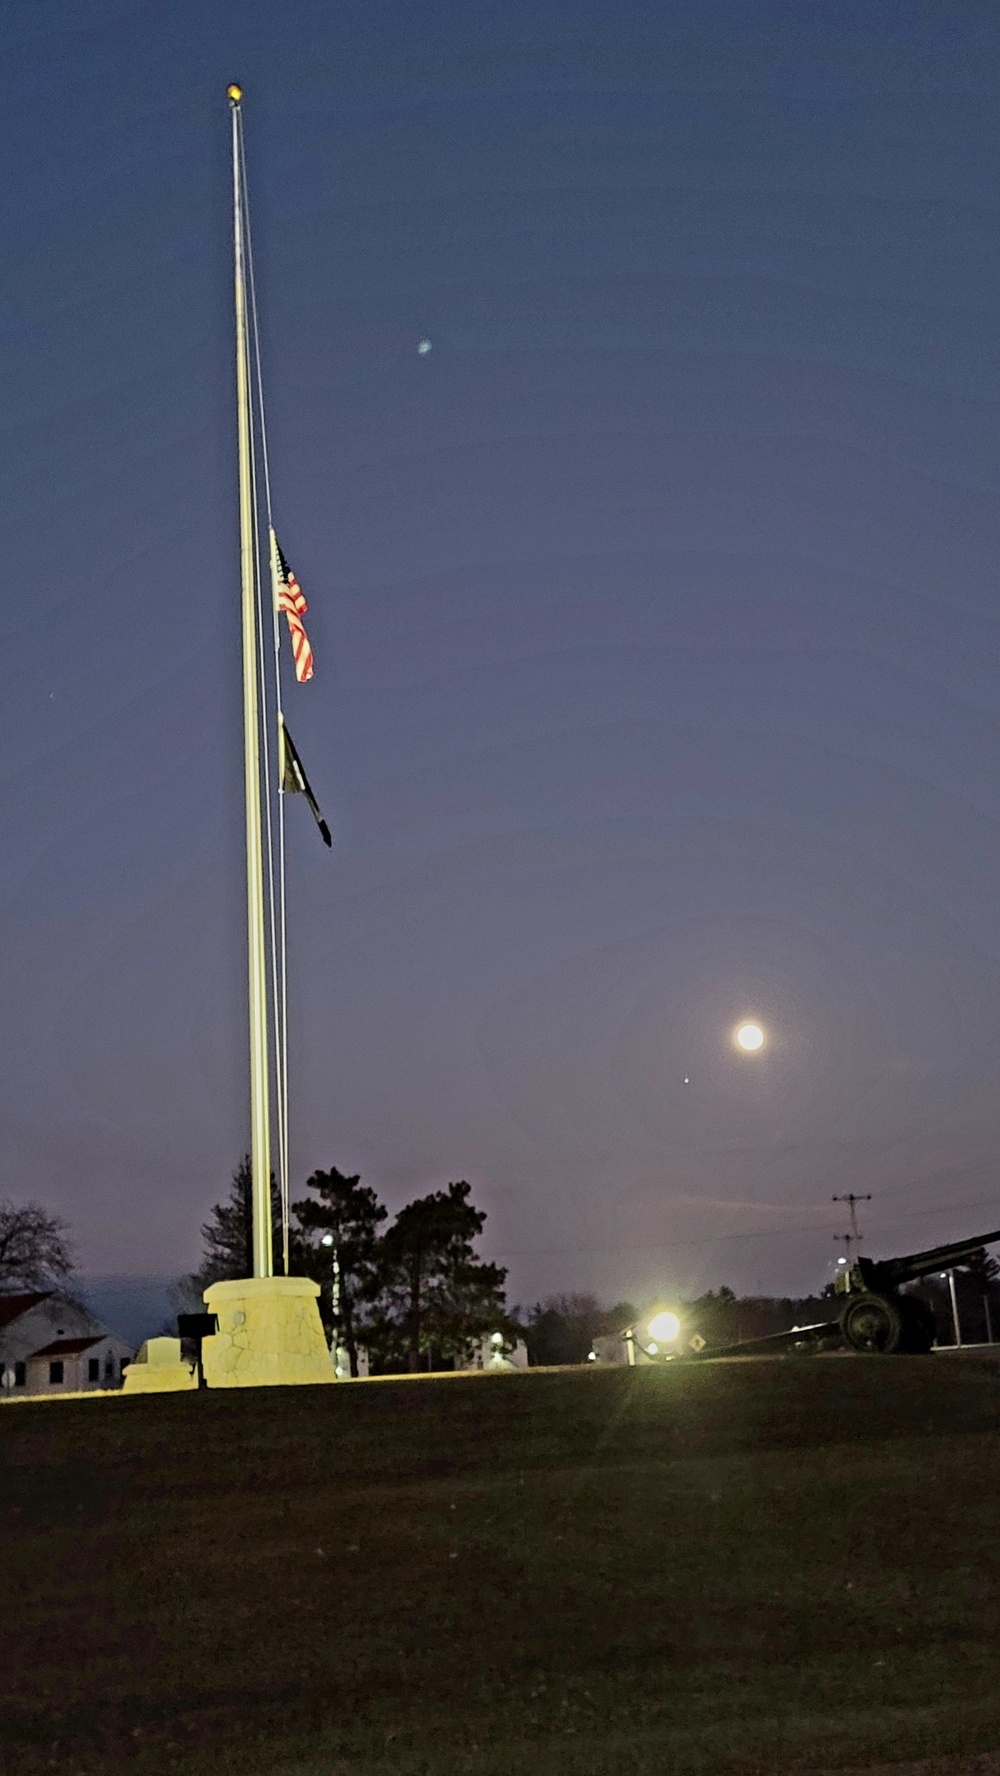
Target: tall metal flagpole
x=267, y=1329
x=260, y=1134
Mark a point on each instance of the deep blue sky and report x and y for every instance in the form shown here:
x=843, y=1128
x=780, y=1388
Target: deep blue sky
x=655, y=615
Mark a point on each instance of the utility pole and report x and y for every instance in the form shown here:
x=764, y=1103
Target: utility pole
x=854, y=1238
x=845, y=1240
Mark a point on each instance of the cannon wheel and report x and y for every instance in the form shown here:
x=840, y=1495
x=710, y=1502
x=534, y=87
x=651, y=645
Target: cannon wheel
x=872, y=1323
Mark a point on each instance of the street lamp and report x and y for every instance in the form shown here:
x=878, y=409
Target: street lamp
x=661, y=1329
x=948, y=1276
x=330, y=1241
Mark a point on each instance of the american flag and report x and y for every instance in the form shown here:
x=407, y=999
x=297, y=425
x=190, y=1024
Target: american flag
x=289, y=597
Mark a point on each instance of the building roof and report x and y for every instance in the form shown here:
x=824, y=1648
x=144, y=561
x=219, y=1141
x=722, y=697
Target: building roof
x=13, y=1306
x=68, y=1347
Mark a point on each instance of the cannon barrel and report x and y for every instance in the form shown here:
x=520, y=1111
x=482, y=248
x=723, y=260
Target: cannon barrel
x=891, y=1272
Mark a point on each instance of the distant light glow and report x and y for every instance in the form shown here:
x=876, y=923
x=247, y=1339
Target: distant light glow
x=653, y=1349
x=665, y=1327
x=496, y=1337
x=750, y=1037
x=424, y=347
x=327, y=1239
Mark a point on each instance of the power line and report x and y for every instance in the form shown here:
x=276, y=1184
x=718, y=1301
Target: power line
x=653, y=1246
x=721, y=1238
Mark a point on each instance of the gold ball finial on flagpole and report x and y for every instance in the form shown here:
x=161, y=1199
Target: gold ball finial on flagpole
x=234, y=94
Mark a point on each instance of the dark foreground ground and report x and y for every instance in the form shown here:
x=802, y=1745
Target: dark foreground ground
x=731, y=1567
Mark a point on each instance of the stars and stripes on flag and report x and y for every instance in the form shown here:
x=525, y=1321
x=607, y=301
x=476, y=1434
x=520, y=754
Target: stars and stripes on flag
x=289, y=597
x=293, y=778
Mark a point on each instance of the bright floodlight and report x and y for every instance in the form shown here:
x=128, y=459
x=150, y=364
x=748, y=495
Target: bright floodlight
x=496, y=1337
x=750, y=1037
x=327, y=1239
x=664, y=1327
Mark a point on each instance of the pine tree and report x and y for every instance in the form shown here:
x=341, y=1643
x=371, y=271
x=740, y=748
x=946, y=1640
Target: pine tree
x=351, y=1213
x=437, y=1297
x=228, y=1238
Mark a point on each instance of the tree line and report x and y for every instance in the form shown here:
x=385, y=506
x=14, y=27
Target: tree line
x=415, y=1294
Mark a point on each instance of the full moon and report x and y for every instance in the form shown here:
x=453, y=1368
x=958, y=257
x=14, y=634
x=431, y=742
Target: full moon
x=750, y=1036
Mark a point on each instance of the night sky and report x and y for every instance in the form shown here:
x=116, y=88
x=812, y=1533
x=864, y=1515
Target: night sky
x=654, y=610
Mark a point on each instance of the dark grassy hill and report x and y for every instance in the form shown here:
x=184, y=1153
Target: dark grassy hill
x=725, y=1567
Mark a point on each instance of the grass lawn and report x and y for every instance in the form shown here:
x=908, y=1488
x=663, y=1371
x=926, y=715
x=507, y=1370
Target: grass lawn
x=727, y=1567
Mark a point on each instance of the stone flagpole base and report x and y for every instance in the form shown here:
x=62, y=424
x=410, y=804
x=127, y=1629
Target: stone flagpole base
x=269, y=1334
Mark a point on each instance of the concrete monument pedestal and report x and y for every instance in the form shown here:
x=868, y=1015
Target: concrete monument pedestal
x=269, y=1334
x=158, y=1369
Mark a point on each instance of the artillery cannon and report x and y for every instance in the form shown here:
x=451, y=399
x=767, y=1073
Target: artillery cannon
x=876, y=1316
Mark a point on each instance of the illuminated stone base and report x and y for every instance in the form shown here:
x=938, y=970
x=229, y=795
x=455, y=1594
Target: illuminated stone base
x=269, y=1334
x=158, y=1369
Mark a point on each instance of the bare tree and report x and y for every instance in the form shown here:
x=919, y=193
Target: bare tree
x=34, y=1247
x=562, y=1328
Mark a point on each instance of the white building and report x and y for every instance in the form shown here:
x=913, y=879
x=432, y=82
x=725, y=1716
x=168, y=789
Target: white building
x=493, y=1353
x=50, y=1344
